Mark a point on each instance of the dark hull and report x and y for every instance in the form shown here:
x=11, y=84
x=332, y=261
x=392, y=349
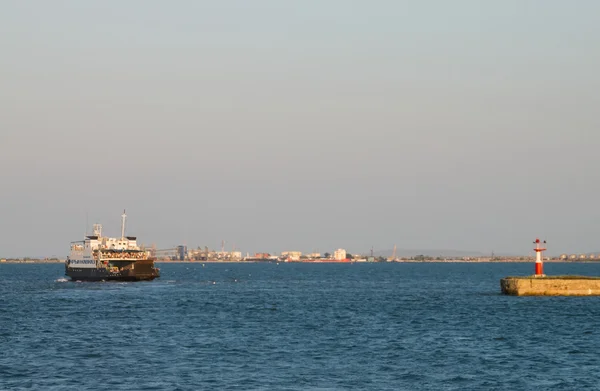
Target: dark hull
x=142, y=272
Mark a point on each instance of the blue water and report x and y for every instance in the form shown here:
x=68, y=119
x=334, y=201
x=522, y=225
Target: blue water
x=296, y=327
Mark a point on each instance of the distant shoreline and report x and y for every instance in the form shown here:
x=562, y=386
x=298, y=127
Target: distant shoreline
x=62, y=261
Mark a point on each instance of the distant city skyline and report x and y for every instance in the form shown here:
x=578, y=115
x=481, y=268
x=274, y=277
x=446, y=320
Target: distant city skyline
x=301, y=125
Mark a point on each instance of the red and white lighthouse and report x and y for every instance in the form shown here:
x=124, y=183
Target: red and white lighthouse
x=539, y=265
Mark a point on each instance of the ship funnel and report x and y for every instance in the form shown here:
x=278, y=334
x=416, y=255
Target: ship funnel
x=98, y=230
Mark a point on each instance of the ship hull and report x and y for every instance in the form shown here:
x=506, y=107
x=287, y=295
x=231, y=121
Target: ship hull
x=103, y=274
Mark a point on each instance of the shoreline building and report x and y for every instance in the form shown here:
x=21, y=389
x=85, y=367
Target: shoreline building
x=339, y=254
x=291, y=255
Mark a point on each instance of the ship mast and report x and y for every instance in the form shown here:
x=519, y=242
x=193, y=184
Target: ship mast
x=123, y=216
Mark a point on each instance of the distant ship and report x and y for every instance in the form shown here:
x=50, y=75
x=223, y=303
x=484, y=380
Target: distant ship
x=98, y=258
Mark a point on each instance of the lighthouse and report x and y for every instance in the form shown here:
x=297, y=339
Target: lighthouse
x=539, y=284
x=539, y=264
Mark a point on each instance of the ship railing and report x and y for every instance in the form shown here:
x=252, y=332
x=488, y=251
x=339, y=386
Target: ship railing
x=123, y=255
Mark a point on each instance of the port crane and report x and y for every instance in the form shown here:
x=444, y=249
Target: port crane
x=393, y=257
x=164, y=253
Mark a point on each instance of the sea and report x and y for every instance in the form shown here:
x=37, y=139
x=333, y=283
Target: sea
x=290, y=326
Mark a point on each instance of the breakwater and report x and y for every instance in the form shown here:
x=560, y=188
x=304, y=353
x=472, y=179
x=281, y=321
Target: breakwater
x=551, y=286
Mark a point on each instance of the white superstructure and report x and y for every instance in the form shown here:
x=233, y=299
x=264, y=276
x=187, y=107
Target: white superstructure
x=96, y=250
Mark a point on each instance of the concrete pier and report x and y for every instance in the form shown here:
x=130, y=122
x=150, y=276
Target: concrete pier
x=551, y=286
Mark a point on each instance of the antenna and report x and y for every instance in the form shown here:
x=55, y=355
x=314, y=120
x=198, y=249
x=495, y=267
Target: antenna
x=123, y=216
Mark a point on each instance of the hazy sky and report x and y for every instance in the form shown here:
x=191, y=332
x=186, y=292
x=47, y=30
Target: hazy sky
x=307, y=125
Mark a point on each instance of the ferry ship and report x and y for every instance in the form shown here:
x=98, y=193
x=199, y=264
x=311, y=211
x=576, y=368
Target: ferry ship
x=98, y=258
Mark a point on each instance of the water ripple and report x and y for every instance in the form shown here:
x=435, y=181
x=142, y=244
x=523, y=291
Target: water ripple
x=295, y=327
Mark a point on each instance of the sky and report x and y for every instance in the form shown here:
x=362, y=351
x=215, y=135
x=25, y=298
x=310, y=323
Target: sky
x=306, y=125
